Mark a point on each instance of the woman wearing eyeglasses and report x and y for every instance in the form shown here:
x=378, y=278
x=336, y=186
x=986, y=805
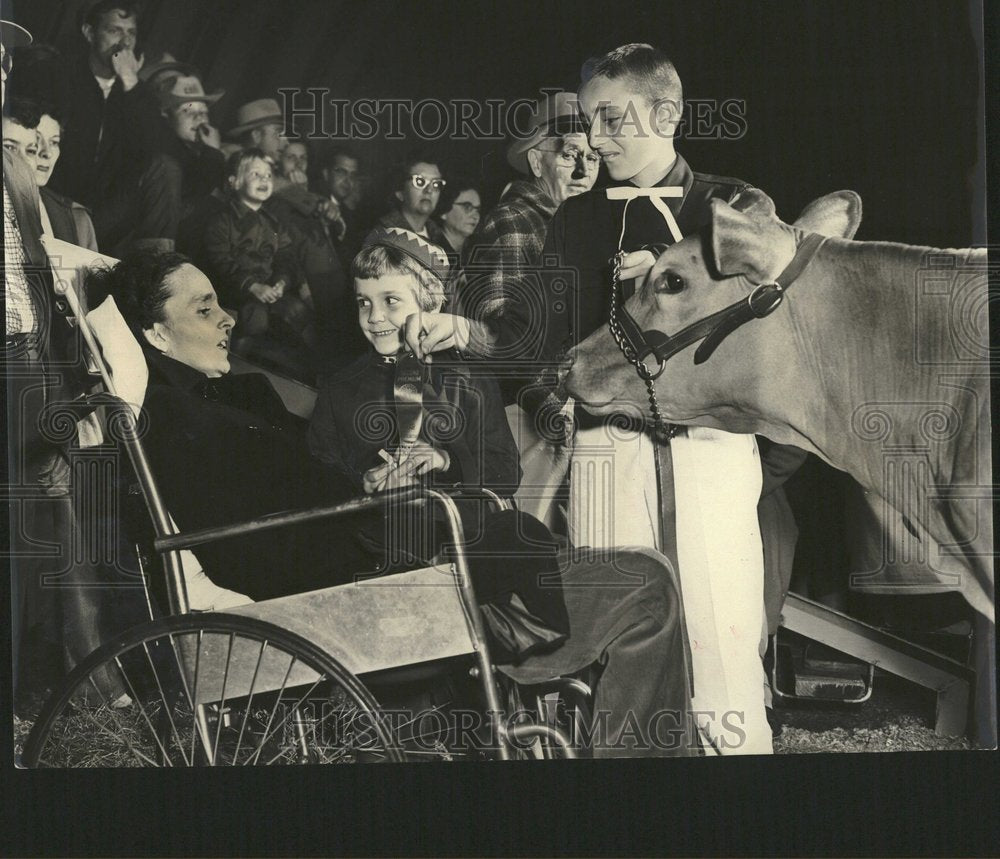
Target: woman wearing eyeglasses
x=460, y=209
x=458, y=216
x=416, y=191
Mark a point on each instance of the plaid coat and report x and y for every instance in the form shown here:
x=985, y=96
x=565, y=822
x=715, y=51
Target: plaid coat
x=500, y=261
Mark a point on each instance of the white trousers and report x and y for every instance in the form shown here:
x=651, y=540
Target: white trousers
x=717, y=482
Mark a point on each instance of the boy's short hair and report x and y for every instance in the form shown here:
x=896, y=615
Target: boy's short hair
x=236, y=164
x=650, y=69
x=375, y=260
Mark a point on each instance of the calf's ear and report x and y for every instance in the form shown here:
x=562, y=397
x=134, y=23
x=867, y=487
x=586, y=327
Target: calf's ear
x=750, y=245
x=755, y=203
x=836, y=214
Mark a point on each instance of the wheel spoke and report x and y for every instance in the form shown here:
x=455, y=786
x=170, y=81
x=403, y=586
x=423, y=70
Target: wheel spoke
x=142, y=710
x=222, y=702
x=284, y=684
x=195, y=706
x=249, y=704
x=277, y=703
x=166, y=704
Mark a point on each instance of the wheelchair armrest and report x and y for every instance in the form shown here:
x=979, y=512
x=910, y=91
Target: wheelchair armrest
x=284, y=518
x=497, y=501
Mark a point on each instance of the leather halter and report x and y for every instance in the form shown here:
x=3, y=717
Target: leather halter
x=638, y=345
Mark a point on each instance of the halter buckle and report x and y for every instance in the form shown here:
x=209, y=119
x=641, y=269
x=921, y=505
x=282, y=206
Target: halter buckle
x=765, y=298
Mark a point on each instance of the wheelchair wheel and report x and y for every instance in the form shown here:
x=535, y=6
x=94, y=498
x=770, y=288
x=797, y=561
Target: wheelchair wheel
x=210, y=689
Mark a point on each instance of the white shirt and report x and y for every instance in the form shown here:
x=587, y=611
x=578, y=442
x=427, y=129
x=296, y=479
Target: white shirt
x=105, y=84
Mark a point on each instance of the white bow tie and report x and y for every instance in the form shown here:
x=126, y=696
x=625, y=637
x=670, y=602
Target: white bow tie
x=656, y=196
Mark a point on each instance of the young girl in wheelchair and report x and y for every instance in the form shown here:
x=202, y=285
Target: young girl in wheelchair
x=224, y=450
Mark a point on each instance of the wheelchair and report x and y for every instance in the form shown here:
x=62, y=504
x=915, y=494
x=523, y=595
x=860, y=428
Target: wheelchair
x=287, y=680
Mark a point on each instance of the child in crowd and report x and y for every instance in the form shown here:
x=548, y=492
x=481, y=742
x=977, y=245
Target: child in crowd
x=458, y=433
x=252, y=259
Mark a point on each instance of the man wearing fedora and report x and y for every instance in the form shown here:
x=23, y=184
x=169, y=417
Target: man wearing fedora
x=502, y=255
x=557, y=163
x=259, y=125
x=112, y=131
x=190, y=158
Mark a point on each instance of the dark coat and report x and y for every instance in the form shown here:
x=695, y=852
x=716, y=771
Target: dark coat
x=243, y=246
x=192, y=172
x=355, y=418
x=583, y=238
x=333, y=298
x=106, y=142
x=358, y=223
x=224, y=451
x=70, y=221
x=194, y=224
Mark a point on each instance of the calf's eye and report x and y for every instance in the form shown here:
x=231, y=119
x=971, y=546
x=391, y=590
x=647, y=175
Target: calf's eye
x=669, y=282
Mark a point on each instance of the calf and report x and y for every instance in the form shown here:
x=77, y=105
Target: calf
x=877, y=350
x=876, y=360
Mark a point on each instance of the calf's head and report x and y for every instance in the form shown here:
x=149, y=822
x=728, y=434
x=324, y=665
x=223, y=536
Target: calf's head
x=745, y=245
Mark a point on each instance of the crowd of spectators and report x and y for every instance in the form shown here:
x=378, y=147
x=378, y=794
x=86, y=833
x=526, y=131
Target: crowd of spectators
x=128, y=155
x=259, y=244
x=123, y=146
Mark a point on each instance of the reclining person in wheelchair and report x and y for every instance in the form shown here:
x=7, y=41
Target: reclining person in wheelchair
x=225, y=450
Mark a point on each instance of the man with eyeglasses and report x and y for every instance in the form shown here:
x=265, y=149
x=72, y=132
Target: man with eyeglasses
x=500, y=259
x=416, y=192
x=341, y=174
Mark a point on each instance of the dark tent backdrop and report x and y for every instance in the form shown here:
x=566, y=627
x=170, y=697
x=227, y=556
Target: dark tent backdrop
x=880, y=97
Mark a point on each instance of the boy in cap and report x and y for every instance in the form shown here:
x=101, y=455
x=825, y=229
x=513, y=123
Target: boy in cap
x=190, y=155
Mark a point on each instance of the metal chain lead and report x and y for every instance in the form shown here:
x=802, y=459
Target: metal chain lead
x=661, y=430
